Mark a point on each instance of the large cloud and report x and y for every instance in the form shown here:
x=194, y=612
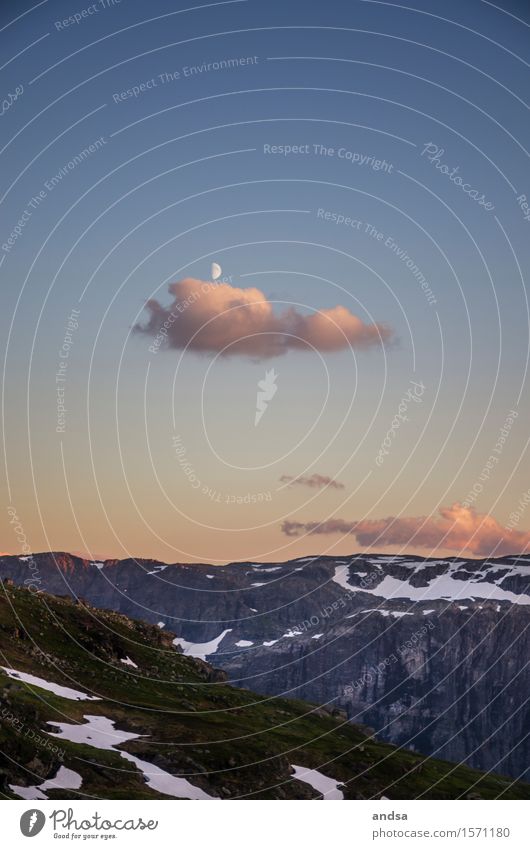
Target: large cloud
x=456, y=528
x=218, y=317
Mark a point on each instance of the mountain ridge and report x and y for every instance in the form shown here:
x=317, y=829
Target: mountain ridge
x=174, y=728
x=430, y=653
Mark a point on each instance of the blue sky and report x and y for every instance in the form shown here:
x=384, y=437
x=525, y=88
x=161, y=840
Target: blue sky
x=181, y=177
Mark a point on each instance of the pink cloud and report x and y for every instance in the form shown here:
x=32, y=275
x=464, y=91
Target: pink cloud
x=218, y=317
x=457, y=527
x=314, y=481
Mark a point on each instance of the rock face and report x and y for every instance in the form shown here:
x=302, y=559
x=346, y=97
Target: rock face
x=432, y=654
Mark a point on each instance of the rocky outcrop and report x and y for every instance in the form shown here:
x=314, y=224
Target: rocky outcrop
x=432, y=654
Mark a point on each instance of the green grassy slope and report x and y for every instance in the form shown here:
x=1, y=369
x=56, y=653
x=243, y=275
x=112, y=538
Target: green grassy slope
x=228, y=741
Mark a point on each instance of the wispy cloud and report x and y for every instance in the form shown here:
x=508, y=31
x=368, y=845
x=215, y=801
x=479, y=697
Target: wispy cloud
x=456, y=528
x=314, y=481
x=220, y=318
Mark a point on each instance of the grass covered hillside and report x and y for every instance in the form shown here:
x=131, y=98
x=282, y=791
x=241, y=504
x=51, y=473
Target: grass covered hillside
x=139, y=720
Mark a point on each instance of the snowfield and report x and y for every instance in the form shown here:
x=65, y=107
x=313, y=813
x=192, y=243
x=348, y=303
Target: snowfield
x=100, y=732
x=444, y=587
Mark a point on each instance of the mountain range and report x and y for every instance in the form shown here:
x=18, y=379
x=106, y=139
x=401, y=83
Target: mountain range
x=429, y=655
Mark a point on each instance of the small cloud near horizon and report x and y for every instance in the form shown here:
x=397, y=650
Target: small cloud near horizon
x=220, y=318
x=314, y=481
x=458, y=528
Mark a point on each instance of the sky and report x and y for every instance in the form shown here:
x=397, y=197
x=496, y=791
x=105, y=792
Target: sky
x=351, y=372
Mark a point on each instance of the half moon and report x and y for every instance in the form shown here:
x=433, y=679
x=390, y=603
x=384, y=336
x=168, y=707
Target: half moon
x=216, y=270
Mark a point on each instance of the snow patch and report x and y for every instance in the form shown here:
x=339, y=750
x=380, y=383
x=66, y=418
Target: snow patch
x=340, y=576
x=56, y=689
x=201, y=650
x=164, y=782
x=244, y=643
x=128, y=662
x=393, y=558
x=397, y=614
x=65, y=779
x=328, y=787
x=444, y=586
x=99, y=732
